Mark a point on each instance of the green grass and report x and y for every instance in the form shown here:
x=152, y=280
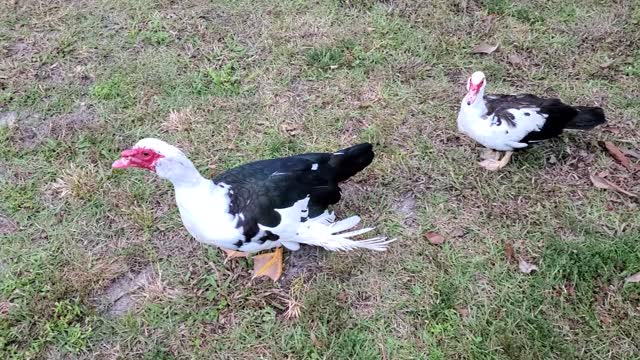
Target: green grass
x=236, y=81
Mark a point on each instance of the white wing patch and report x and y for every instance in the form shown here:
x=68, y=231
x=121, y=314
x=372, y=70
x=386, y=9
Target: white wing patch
x=527, y=120
x=290, y=220
x=500, y=135
x=314, y=167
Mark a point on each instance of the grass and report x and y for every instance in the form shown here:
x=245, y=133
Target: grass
x=96, y=264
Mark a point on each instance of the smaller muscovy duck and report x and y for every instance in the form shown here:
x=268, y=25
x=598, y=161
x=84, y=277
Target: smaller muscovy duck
x=261, y=205
x=509, y=122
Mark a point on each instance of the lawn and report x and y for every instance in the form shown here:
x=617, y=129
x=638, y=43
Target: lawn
x=95, y=263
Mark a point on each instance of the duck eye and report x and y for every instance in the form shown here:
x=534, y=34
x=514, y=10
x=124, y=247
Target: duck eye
x=145, y=153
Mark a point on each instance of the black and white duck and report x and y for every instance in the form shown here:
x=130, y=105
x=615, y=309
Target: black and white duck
x=264, y=204
x=504, y=123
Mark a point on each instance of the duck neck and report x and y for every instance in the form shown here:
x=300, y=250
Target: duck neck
x=181, y=172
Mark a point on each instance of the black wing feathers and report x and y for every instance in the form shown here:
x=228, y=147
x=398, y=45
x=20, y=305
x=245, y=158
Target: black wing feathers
x=587, y=118
x=560, y=116
x=351, y=161
x=260, y=187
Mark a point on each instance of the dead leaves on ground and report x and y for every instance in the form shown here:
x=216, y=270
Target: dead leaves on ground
x=600, y=180
x=434, y=238
x=617, y=154
x=633, y=278
x=484, y=48
x=524, y=266
x=510, y=253
x=290, y=128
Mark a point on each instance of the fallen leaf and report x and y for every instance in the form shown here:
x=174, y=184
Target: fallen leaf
x=632, y=153
x=290, y=129
x=602, y=183
x=526, y=267
x=611, y=129
x=617, y=154
x=509, y=253
x=515, y=59
x=484, y=48
x=633, y=278
x=434, y=238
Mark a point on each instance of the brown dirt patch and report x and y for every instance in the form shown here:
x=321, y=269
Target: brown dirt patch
x=306, y=263
x=117, y=299
x=406, y=209
x=7, y=225
x=33, y=129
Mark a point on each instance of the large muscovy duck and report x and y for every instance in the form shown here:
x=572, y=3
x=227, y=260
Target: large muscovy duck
x=510, y=122
x=261, y=205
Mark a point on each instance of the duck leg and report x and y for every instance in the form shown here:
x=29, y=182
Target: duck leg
x=231, y=254
x=269, y=264
x=488, y=154
x=494, y=164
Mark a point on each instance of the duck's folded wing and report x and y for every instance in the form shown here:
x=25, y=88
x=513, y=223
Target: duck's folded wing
x=259, y=189
x=532, y=118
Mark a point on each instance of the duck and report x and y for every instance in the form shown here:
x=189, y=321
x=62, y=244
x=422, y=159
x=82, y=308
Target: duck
x=506, y=123
x=262, y=205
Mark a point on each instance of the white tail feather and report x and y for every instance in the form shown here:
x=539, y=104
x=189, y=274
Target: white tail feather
x=322, y=231
x=344, y=224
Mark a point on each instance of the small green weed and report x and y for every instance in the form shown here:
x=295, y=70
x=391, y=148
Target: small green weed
x=224, y=81
x=115, y=89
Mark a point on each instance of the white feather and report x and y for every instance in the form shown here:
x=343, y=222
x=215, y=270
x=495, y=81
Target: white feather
x=205, y=211
x=501, y=137
x=316, y=232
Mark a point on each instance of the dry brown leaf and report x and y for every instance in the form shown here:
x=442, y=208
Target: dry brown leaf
x=509, y=253
x=526, y=267
x=617, y=154
x=515, y=59
x=602, y=183
x=434, y=238
x=633, y=278
x=290, y=129
x=632, y=153
x=484, y=48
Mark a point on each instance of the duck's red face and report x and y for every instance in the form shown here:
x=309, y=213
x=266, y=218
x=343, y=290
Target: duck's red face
x=143, y=158
x=474, y=85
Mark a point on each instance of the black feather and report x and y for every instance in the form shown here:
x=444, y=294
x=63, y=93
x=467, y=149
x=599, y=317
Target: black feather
x=587, y=118
x=560, y=116
x=258, y=188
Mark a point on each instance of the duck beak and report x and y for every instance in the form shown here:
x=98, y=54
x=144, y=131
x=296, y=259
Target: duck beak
x=471, y=97
x=121, y=163
x=125, y=161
